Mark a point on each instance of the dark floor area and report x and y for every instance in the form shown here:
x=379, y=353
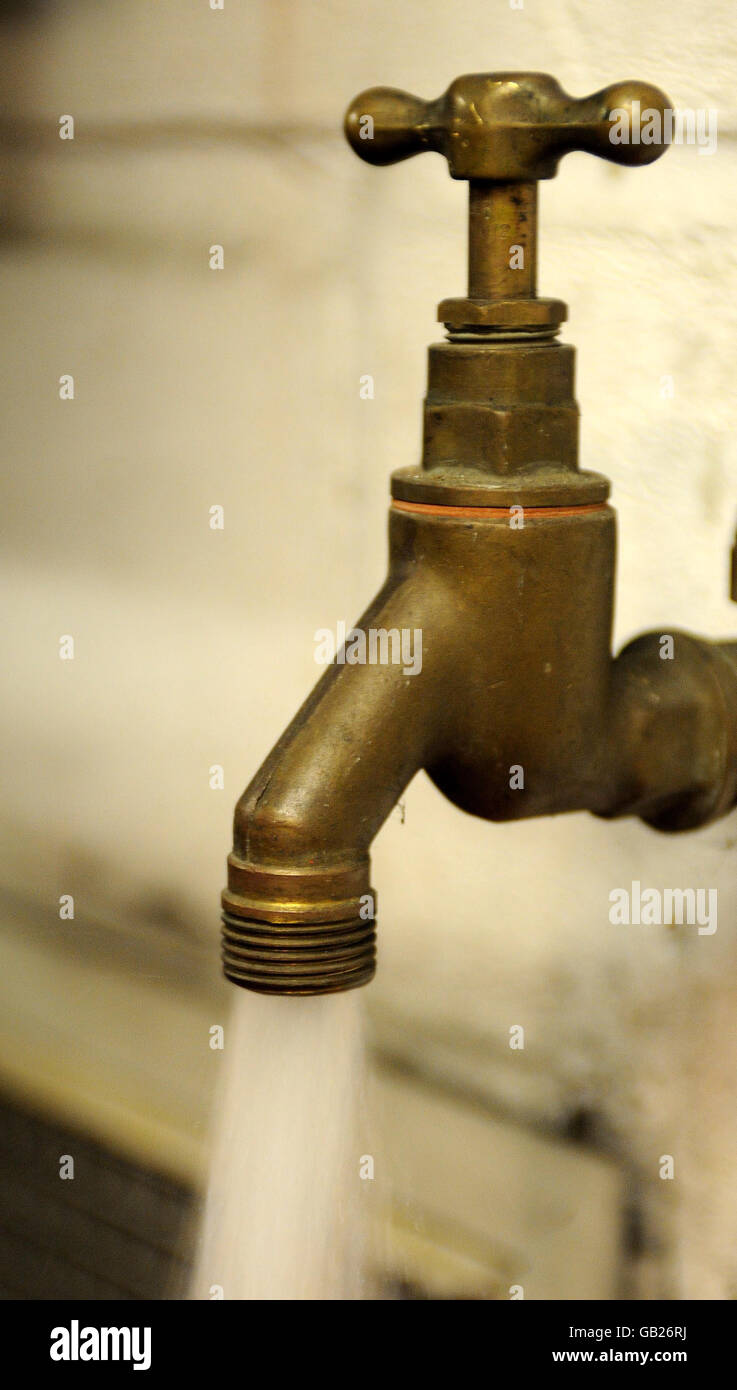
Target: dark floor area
x=112, y=1231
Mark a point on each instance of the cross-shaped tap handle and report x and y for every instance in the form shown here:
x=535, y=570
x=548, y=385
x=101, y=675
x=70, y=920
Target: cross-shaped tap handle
x=509, y=126
x=503, y=132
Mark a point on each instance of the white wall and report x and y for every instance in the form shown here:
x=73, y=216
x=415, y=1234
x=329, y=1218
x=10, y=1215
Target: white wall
x=196, y=387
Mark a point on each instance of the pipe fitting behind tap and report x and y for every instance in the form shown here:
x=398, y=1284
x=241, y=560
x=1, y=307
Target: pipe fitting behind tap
x=671, y=731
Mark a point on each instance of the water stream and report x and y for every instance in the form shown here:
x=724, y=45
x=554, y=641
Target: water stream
x=281, y=1213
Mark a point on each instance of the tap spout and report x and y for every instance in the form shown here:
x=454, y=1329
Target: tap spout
x=299, y=911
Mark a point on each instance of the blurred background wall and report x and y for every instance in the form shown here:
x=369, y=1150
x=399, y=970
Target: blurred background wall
x=239, y=388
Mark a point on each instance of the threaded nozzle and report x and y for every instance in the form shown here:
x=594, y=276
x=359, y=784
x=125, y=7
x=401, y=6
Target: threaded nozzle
x=298, y=958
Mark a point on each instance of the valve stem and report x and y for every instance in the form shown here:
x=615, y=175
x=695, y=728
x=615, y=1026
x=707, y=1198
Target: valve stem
x=502, y=216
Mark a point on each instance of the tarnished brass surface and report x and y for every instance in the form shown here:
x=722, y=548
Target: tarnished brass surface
x=503, y=132
x=500, y=125
x=501, y=215
x=502, y=554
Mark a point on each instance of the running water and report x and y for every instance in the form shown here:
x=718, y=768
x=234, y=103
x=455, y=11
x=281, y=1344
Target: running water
x=281, y=1215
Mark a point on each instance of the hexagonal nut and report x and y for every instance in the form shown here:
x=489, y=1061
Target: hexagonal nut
x=511, y=315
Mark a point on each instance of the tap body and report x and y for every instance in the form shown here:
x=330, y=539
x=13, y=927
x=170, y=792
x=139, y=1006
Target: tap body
x=518, y=708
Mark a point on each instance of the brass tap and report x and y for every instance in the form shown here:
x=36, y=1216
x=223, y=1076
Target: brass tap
x=502, y=555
